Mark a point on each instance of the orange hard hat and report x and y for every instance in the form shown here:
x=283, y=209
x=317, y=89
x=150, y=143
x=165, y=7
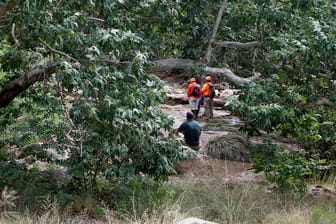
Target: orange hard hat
x=192, y=80
x=208, y=78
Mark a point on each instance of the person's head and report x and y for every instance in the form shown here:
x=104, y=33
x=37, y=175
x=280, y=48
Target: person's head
x=208, y=78
x=192, y=80
x=190, y=115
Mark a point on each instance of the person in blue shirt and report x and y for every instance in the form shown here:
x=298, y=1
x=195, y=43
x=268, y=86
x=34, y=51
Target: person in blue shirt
x=201, y=99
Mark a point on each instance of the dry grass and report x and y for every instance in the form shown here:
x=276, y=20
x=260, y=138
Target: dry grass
x=250, y=203
x=215, y=201
x=230, y=147
x=7, y=203
x=166, y=215
x=295, y=216
x=302, y=215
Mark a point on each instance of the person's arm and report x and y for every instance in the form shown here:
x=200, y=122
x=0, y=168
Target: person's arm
x=189, y=90
x=204, y=88
x=180, y=129
x=200, y=93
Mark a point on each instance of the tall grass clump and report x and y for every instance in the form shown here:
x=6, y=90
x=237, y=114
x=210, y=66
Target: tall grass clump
x=7, y=203
x=224, y=203
x=165, y=214
x=49, y=212
x=231, y=147
x=141, y=195
x=293, y=216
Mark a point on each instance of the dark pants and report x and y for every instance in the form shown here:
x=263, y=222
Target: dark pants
x=200, y=102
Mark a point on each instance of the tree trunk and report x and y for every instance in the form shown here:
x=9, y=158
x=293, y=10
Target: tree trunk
x=17, y=86
x=172, y=64
x=208, y=53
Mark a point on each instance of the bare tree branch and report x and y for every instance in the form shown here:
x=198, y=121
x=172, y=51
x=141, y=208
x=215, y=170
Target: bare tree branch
x=232, y=44
x=229, y=75
x=19, y=85
x=16, y=41
x=171, y=64
x=96, y=19
x=208, y=53
x=58, y=52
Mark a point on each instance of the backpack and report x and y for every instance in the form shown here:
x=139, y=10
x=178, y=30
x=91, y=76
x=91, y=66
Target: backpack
x=196, y=91
x=212, y=91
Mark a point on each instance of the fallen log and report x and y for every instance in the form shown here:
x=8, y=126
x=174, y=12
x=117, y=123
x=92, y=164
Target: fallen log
x=180, y=98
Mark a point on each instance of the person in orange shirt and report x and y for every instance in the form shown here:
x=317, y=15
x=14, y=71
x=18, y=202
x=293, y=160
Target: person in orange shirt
x=194, y=92
x=208, y=93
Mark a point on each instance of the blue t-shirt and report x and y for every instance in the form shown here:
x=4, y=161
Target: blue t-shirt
x=192, y=131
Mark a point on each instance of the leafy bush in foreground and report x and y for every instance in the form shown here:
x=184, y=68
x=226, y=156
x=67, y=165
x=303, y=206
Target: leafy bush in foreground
x=288, y=170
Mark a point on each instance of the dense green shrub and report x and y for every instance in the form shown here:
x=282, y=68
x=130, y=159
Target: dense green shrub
x=288, y=170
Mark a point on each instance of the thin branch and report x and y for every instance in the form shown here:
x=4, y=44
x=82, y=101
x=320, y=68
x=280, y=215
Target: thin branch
x=72, y=124
x=254, y=56
x=232, y=44
x=17, y=43
x=58, y=52
x=96, y=19
x=58, y=4
x=208, y=53
x=67, y=114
